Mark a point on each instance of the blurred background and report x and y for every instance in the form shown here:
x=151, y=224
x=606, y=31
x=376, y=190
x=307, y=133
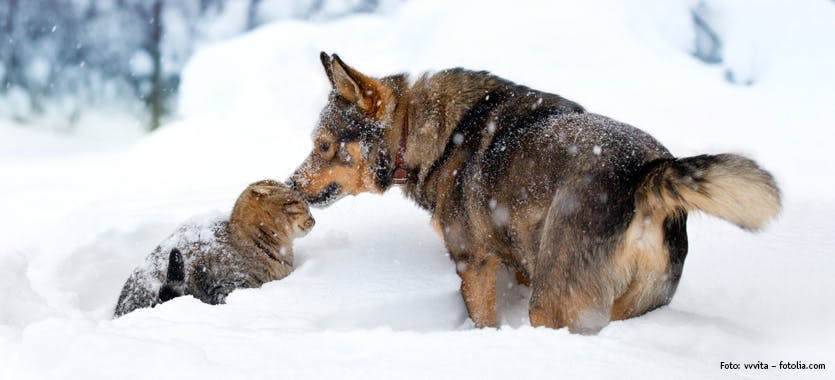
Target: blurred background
x=65, y=63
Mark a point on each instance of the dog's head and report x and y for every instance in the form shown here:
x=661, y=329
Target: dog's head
x=352, y=151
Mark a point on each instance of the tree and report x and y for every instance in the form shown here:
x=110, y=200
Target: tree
x=154, y=99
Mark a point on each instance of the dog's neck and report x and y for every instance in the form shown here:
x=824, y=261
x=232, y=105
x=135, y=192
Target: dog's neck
x=427, y=113
x=401, y=170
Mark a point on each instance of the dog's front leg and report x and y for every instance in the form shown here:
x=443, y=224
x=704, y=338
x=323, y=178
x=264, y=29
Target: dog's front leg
x=478, y=287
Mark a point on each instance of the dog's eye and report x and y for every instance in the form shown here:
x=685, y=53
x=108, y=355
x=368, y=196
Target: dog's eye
x=324, y=147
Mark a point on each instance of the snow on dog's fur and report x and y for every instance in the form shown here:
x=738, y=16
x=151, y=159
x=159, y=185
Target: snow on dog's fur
x=589, y=211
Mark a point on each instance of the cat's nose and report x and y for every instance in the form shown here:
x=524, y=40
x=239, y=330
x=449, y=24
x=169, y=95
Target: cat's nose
x=309, y=223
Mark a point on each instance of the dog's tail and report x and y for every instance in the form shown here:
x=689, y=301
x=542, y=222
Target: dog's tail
x=728, y=186
x=175, y=279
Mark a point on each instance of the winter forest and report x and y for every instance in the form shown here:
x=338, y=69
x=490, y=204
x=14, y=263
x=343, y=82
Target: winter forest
x=64, y=58
x=128, y=127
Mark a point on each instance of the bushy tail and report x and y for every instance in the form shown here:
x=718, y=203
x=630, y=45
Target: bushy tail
x=175, y=278
x=728, y=186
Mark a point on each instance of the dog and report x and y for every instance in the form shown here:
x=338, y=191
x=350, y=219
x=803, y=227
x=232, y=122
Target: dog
x=210, y=259
x=589, y=212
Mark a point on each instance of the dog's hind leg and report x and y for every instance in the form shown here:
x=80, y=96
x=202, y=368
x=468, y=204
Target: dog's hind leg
x=575, y=300
x=574, y=283
x=651, y=258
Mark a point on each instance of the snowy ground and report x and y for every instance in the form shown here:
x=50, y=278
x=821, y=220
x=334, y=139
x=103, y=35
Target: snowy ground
x=374, y=295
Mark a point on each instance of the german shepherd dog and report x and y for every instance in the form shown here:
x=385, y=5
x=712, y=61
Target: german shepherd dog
x=589, y=212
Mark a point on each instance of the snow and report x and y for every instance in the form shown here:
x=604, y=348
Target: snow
x=374, y=294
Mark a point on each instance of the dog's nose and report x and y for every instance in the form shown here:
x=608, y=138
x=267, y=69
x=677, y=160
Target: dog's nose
x=291, y=183
x=309, y=223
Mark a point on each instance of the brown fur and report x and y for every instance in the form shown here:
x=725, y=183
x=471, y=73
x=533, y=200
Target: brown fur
x=642, y=258
x=589, y=211
x=478, y=285
x=727, y=190
x=269, y=215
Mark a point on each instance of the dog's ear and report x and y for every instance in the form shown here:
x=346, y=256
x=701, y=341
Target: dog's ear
x=328, y=65
x=347, y=85
x=353, y=86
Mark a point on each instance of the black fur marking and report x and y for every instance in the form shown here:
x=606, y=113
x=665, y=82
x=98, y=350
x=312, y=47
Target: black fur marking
x=675, y=237
x=175, y=277
x=326, y=196
x=668, y=175
x=167, y=293
x=509, y=131
x=359, y=132
x=176, y=266
x=353, y=124
x=266, y=236
x=469, y=127
x=473, y=121
x=653, y=179
x=263, y=244
x=259, y=243
x=383, y=171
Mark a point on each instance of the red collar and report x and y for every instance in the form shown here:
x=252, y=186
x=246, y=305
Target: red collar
x=401, y=174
